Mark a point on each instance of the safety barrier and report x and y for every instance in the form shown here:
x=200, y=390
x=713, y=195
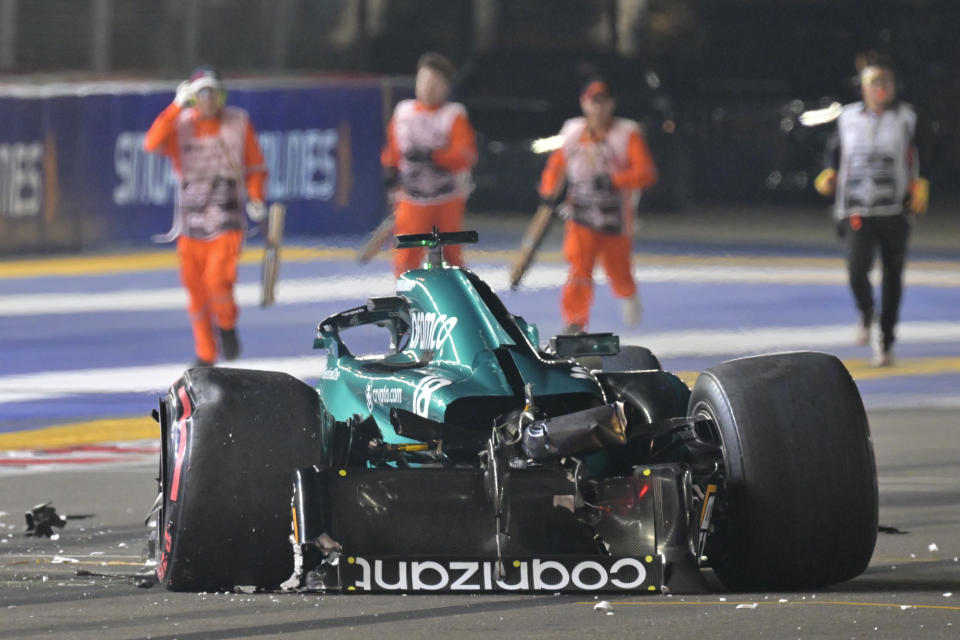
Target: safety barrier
x=73, y=173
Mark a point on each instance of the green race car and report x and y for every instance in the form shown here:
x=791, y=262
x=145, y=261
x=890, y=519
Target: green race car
x=468, y=457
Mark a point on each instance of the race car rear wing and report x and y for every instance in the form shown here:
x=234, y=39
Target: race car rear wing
x=584, y=344
x=434, y=242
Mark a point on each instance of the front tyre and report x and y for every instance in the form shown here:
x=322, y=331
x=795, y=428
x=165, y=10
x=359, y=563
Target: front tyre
x=800, y=476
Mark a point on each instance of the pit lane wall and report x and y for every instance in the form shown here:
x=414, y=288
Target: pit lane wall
x=73, y=173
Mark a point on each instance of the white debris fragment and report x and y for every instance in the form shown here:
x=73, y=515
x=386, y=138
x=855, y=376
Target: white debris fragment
x=327, y=543
x=904, y=607
x=948, y=594
x=744, y=605
x=245, y=588
x=723, y=599
x=63, y=560
x=932, y=547
x=603, y=607
x=783, y=600
x=913, y=555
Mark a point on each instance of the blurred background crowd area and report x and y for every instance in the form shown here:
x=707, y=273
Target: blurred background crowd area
x=718, y=85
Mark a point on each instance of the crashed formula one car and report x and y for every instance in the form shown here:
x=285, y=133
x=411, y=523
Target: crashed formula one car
x=468, y=458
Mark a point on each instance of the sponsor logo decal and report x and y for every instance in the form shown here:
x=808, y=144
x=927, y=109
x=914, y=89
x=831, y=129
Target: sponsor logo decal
x=430, y=330
x=383, y=395
x=329, y=374
x=21, y=179
x=165, y=553
x=579, y=371
x=424, y=391
x=352, y=312
x=301, y=163
x=181, y=435
x=534, y=574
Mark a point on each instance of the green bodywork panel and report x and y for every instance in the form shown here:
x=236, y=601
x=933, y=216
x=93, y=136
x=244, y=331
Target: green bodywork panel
x=459, y=344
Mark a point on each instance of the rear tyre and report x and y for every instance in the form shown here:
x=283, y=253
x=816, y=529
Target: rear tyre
x=801, y=487
x=232, y=440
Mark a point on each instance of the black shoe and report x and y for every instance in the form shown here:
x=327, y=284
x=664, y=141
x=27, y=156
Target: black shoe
x=200, y=362
x=229, y=344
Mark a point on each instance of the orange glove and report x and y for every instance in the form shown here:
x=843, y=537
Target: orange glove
x=919, y=196
x=826, y=182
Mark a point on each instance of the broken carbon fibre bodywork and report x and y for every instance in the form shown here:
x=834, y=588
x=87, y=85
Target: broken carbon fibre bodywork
x=479, y=451
x=469, y=459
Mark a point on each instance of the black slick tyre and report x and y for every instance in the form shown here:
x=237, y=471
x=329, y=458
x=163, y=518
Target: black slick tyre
x=800, y=492
x=231, y=441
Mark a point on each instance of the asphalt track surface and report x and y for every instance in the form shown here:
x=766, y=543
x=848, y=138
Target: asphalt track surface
x=88, y=343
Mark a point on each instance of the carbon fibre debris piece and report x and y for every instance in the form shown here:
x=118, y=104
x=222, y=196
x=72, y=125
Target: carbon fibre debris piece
x=41, y=520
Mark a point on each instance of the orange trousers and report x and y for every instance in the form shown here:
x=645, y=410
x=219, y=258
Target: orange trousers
x=208, y=270
x=421, y=218
x=581, y=247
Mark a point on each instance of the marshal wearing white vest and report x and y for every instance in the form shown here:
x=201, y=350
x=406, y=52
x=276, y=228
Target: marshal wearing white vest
x=873, y=170
x=877, y=160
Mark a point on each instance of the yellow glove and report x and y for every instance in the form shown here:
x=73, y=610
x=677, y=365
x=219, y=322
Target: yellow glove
x=826, y=182
x=919, y=196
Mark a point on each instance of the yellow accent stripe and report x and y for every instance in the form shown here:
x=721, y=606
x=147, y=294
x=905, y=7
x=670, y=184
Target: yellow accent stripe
x=862, y=369
x=93, y=265
x=76, y=562
x=167, y=259
x=905, y=367
x=80, y=433
x=711, y=489
x=901, y=560
x=835, y=603
x=154, y=261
